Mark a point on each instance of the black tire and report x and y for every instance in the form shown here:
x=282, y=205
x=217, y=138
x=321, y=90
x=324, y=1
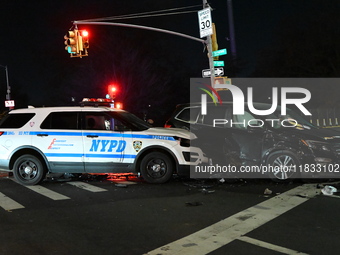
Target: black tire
x=156, y=167
x=28, y=170
x=285, y=166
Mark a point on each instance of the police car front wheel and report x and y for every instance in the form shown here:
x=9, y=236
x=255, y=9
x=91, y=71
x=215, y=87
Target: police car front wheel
x=28, y=170
x=156, y=167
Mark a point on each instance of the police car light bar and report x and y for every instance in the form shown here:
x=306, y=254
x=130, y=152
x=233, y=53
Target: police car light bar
x=100, y=102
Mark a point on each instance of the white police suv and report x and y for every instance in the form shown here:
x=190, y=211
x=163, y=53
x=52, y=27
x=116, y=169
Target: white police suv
x=36, y=141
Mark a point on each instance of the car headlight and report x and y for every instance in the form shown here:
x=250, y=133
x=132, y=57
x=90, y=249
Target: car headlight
x=183, y=141
x=316, y=145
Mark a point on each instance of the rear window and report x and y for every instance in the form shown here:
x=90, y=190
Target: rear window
x=15, y=120
x=215, y=112
x=189, y=115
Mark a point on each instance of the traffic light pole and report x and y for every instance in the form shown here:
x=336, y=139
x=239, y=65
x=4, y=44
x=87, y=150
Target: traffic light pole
x=207, y=42
x=210, y=50
x=138, y=26
x=8, y=95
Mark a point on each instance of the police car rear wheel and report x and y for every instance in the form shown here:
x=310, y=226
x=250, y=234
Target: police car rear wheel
x=156, y=167
x=28, y=170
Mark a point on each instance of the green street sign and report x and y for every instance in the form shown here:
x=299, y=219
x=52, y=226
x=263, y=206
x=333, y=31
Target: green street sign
x=219, y=52
x=218, y=63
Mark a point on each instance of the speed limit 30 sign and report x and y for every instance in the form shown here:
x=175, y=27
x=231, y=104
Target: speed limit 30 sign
x=205, y=24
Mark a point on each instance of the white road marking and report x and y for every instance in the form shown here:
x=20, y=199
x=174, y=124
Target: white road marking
x=47, y=192
x=227, y=230
x=44, y=191
x=86, y=186
x=8, y=203
x=270, y=246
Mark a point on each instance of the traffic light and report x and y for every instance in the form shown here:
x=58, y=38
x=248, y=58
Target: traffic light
x=71, y=41
x=112, y=91
x=214, y=41
x=77, y=42
x=85, y=39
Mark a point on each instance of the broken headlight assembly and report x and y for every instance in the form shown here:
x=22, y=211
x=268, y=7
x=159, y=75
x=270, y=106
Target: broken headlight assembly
x=317, y=145
x=184, y=142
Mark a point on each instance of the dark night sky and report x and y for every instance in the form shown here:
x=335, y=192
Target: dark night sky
x=42, y=73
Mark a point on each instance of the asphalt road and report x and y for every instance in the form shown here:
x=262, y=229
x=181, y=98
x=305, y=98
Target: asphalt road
x=96, y=215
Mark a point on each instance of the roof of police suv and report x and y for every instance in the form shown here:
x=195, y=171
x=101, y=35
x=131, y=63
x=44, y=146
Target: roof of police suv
x=64, y=108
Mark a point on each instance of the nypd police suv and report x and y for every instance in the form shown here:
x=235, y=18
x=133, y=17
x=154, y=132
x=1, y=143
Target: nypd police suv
x=36, y=141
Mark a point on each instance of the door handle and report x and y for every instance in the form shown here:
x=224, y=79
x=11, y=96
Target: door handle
x=42, y=135
x=92, y=136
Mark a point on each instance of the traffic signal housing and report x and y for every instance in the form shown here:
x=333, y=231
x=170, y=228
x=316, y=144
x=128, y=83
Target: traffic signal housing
x=77, y=43
x=214, y=43
x=71, y=42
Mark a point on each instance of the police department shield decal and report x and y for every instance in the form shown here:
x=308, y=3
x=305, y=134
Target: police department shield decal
x=137, y=145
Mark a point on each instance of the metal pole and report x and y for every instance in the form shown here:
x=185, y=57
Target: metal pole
x=207, y=42
x=140, y=27
x=8, y=94
x=231, y=28
x=209, y=48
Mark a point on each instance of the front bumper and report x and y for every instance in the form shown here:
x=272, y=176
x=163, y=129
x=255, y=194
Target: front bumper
x=193, y=157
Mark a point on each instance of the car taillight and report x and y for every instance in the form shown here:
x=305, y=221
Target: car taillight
x=1, y=132
x=167, y=126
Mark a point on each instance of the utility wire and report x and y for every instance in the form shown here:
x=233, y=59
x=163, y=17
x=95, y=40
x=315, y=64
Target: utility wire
x=146, y=14
x=154, y=15
x=172, y=9
x=142, y=16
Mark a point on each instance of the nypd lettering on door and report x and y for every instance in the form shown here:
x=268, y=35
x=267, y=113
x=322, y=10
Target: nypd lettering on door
x=108, y=145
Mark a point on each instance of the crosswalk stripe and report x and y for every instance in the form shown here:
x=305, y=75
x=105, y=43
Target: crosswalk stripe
x=270, y=246
x=225, y=231
x=86, y=186
x=8, y=203
x=47, y=192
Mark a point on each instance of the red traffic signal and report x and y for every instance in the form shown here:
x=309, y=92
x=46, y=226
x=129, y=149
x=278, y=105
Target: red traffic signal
x=84, y=33
x=85, y=39
x=112, y=91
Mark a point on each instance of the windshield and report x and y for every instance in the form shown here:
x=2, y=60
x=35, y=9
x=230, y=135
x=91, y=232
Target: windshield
x=131, y=120
x=291, y=118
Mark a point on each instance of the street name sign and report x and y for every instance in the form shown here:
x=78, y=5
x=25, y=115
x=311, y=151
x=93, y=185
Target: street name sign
x=221, y=52
x=218, y=63
x=205, y=23
x=219, y=71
